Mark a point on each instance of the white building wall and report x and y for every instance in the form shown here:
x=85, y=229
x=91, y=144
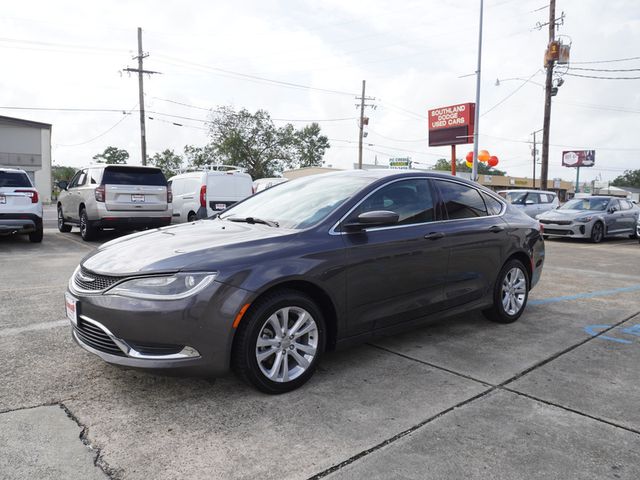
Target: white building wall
x=43, y=176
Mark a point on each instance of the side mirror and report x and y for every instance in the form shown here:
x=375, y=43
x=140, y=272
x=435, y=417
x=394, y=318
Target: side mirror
x=612, y=210
x=63, y=184
x=373, y=219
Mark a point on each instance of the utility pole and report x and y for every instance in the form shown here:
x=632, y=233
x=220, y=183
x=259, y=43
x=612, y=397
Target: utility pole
x=140, y=71
x=363, y=121
x=535, y=156
x=544, y=174
x=476, y=120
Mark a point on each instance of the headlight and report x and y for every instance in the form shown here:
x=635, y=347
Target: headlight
x=171, y=287
x=585, y=219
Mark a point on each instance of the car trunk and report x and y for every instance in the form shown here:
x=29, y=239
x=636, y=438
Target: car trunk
x=134, y=189
x=10, y=200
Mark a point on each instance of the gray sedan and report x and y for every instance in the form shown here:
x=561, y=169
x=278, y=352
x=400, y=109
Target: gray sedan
x=594, y=218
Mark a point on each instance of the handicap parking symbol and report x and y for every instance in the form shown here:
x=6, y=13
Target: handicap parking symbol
x=594, y=331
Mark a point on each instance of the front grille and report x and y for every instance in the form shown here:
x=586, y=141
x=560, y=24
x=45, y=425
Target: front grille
x=96, y=338
x=557, y=231
x=556, y=222
x=93, y=281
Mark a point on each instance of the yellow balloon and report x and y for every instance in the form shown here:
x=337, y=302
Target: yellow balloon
x=469, y=164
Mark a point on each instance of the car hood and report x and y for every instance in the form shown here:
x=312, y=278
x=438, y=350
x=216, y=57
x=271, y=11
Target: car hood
x=566, y=214
x=178, y=247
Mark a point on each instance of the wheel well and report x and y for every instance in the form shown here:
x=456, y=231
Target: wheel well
x=525, y=259
x=321, y=298
x=191, y=212
x=82, y=207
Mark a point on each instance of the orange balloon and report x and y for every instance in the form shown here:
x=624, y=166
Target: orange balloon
x=469, y=164
x=493, y=161
x=469, y=157
x=484, y=155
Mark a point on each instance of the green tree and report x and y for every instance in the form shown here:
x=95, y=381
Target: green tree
x=309, y=147
x=168, y=161
x=112, y=156
x=461, y=166
x=252, y=141
x=59, y=172
x=630, y=178
x=197, y=157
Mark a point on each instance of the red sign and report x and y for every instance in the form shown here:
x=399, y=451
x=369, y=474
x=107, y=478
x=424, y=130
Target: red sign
x=451, y=125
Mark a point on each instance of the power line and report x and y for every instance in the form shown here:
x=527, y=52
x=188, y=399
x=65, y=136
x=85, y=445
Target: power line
x=606, y=61
x=125, y=114
x=606, y=69
x=601, y=78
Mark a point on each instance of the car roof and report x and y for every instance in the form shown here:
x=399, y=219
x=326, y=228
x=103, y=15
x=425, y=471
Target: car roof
x=528, y=190
x=110, y=165
x=8, y=169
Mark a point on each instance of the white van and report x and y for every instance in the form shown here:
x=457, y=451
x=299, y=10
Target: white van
x=200, y=194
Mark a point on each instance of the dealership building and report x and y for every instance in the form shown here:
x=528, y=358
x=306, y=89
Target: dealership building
x=27, y=145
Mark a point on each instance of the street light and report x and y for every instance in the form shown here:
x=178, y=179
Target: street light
x=500, y=80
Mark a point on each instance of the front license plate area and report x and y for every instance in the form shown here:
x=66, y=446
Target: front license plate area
x=71, y=307
x=137, y=198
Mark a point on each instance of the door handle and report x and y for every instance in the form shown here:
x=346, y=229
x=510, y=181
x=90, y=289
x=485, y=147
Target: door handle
x=187, y=198
x=496, y=228
x=434, y=236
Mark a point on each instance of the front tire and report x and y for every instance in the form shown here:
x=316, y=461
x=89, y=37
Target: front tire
x=87, y=231
x=279, y=342
x=597, y=232
x=62, y=227
x=510, y=293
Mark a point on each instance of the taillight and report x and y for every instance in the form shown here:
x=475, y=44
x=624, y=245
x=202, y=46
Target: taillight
x=169, y=194
x=541, y=227
x=203, y=196
x=100, y=193
x=32, y=194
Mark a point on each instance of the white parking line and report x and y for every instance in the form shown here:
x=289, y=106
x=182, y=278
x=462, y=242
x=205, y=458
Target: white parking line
x=9, y=332
x=71, y=239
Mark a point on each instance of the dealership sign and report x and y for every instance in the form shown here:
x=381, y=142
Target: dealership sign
x=400, y=163
x=453, y=125
x=579, y=158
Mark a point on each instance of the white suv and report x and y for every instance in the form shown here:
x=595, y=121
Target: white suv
x=531, y=202
x=20, y=205
x=200, y=194
x=123, y=197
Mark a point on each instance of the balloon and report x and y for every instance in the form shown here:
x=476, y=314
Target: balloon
x=493, y=161
x=469, y=157
x=469, y=164
x=484, y=155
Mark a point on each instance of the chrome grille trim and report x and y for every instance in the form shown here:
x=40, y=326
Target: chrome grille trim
x=86, y=281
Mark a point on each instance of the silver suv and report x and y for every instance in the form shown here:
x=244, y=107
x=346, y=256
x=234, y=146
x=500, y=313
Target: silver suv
x=20, y=206
x=531, y=202
x=114, y=196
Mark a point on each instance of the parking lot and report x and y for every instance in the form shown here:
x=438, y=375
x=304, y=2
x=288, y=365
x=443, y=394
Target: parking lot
x=554, y=395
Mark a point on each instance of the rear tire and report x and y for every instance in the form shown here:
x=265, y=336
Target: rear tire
x=36, y=237
x=279, y=342
x=87, y=231
x=192, y=217
x=64, y=228
x=510, y=293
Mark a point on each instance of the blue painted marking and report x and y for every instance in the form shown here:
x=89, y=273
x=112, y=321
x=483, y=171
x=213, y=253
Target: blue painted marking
x=599, y=293
x=635, y=330
x=593, y=330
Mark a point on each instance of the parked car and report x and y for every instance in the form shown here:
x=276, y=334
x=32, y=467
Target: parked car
x=123, y=197
x=20, y=205
x=595, y=218
x=264, y=183
x=638, y=229
x=200, y=194
x=531, y=202
x=315, y=264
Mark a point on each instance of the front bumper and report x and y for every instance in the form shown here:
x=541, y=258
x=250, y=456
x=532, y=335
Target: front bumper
x=191, y=336
x=572, y=230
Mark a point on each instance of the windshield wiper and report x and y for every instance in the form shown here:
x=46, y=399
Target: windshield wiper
x=254, y=220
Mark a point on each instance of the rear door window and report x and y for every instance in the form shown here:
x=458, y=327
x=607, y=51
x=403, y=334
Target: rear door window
x=133, y=176
x=494, y=207
x=533, y=197
x=14, y=179
x=461, y=201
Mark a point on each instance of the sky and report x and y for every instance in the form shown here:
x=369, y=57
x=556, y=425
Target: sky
x=305, y=61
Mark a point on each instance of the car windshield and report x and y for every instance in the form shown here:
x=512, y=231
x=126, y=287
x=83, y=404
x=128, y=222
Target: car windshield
x=300, y=203
x=597, y=204
x=516, y=198
x=14, y=179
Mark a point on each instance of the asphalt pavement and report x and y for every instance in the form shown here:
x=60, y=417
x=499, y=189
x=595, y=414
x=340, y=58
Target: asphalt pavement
x=552, y=396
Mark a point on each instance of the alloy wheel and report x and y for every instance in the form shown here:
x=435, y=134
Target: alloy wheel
x=514, y=291
x=287, y=344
